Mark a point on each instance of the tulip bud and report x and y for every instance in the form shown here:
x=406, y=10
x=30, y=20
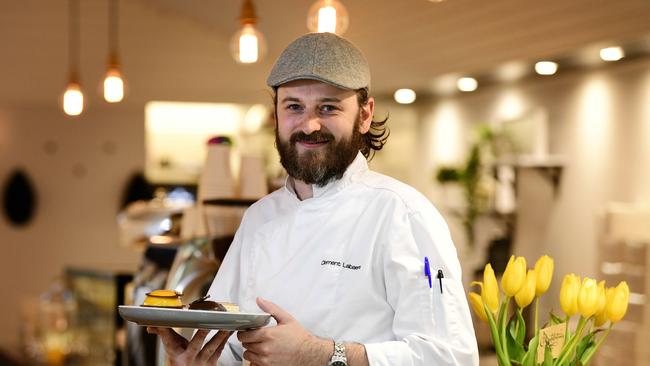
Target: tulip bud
x=527, y=292
x=588, y=297
x=544, y=270
x=601, y=317
x=617, y=305
x=490, y=289
x=602, y=298
x=514, y=276
x=569, y=294
x=477, y=305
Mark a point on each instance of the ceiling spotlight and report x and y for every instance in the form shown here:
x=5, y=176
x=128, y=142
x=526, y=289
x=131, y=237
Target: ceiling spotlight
x=467, y=84
x=546, y=67
x=612, y=54
x=404, y=96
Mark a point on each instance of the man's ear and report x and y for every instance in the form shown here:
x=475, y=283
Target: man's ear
x=366, y=113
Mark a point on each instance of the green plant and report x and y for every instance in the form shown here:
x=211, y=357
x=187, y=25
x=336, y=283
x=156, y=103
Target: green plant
x=469, y=177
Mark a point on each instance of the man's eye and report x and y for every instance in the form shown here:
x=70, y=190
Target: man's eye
x=328, y=108
x=293, y=107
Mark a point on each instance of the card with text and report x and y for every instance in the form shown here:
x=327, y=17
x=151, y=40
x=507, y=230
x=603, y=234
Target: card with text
x=552, y=336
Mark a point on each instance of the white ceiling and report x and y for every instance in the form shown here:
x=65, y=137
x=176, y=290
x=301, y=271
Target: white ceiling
x=179, y=49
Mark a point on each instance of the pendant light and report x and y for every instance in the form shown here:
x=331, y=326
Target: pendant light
x=73, y=98
x=248, y=44
x=327, y=16
x=113, y=82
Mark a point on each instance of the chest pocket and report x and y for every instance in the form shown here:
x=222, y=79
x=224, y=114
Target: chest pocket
x=446, y=307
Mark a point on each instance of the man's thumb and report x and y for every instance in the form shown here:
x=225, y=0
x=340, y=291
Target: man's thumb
x=277, y=312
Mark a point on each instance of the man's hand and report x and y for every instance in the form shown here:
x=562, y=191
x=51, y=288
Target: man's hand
x=183, y=353
x=286, y=344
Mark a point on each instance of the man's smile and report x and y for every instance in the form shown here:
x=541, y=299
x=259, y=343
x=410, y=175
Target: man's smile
x=312, y=144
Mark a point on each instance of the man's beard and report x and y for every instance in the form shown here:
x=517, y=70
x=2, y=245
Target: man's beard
x=322, y=165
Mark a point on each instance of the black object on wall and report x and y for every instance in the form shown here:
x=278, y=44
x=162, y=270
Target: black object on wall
x=19, y=198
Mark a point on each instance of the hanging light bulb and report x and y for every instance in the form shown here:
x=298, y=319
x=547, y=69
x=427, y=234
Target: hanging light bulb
x=248, y=44
x=113, y=82
x=328, y=16
x=73, y=98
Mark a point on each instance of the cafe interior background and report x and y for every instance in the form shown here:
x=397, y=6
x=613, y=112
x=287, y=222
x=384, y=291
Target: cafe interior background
x=569, y=175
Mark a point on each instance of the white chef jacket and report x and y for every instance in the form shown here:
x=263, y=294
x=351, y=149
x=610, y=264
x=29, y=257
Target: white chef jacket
x=348, y=265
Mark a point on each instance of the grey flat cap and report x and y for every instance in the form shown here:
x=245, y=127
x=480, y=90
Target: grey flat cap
x=325, y=57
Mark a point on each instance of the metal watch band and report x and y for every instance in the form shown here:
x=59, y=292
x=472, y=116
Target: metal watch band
x=338, y=358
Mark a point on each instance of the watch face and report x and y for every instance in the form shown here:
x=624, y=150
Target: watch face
x=338, y=363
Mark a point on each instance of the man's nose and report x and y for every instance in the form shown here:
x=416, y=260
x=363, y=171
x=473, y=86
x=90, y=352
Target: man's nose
x=310, y=124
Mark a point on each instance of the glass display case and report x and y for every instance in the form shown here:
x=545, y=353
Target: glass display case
x=97, y=327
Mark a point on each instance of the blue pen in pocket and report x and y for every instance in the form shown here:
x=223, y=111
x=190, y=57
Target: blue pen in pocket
x=427, y=270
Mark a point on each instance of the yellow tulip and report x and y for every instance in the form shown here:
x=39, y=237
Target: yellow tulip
x=602, y=298
x=527, y=292
x=490, y=289
x=601, y=316
x=617, y=305
x=569, y=294
x=544, y=270
x=514, y=276
x=588, y=297
x=477, y=304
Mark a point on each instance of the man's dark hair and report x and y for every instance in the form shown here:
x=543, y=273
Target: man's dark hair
x=373, y=140
x=377, y=135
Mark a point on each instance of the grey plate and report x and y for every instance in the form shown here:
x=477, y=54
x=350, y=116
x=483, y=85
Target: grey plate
x=197, y=319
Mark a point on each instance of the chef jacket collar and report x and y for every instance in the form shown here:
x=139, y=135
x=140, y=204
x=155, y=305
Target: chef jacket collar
x=358, y=165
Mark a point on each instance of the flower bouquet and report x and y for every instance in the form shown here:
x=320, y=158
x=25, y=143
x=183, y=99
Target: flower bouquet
x=558, y=343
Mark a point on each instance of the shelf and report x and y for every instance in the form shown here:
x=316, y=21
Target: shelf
x=550, y=166
x=231, y=202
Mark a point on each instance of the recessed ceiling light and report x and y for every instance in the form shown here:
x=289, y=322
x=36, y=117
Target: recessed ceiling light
x=404, y=96
x=546, y=67
x=612, y=54
x=467, y=84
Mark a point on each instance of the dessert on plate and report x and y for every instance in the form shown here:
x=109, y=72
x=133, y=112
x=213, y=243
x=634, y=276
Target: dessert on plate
x=205, y=304
x=163, y=299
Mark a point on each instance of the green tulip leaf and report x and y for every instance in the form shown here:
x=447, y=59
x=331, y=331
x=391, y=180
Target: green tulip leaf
x=521, y=335
x=515, y=338
x=502, y=313
x=589, y=352
x=530, y=358
x=555, y=319
x=585, y=343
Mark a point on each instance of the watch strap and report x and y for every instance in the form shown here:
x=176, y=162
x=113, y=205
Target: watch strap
x=339, y=357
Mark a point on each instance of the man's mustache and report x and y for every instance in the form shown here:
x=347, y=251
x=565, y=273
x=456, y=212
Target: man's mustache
x=317, y=136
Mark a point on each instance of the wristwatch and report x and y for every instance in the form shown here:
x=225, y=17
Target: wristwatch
x=338, y=358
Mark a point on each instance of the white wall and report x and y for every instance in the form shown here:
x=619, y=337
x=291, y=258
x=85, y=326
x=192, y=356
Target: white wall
x=79, y=188
x=599, y=120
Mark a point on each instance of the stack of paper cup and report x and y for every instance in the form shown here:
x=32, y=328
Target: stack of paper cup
x=216, y=179
x=252, y=180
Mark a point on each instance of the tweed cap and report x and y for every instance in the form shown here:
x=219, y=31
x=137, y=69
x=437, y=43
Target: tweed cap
x=322, y=56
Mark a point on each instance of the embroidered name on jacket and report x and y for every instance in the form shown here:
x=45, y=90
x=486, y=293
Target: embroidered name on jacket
x=339, y=264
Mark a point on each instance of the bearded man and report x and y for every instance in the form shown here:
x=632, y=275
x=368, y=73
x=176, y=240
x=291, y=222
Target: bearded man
x=337, y=255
